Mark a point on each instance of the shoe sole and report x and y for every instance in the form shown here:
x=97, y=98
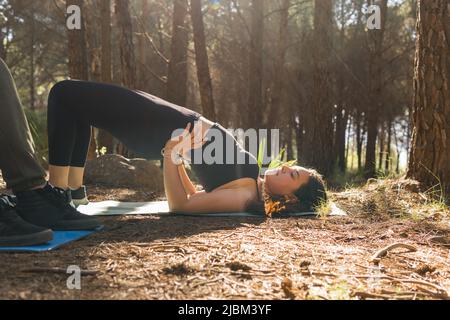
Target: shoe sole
x=33, y=239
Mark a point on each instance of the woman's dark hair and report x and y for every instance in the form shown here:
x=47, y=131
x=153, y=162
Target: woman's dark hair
x=306, y=199
x=313, y=193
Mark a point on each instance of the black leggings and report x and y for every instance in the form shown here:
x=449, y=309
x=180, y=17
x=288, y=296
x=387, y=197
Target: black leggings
x=142, y=122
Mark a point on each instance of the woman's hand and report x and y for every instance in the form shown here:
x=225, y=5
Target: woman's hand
x=185, y=142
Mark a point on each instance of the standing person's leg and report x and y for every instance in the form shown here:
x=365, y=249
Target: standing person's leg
x=20, y=168
x=18, y=162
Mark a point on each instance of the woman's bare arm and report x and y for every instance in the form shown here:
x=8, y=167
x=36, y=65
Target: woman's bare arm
x=228, y=200
x=220, y=201
x=225, y=200
x=186, y=181
x=175, y=192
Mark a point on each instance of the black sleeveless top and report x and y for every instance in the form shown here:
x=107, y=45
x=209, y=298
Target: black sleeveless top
x=216, y=167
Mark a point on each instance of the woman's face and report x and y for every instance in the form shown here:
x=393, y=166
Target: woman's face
x=285, y=180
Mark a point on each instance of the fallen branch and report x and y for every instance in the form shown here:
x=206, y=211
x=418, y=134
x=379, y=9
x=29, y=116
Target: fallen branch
x=376, y=258
x=405, y=293
x=368, y=295
x=441, y=240
x=439, y=295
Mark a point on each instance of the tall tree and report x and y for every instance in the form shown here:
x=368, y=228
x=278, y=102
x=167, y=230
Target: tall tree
x=318, y=125
x=78, y=59
x=202, y=62
x=106, y=59
x=3, y=22
x=127, y=55
x=430, y=153
x=376, y=68
x=279, y=113
x=255, y=98
x=144, y=82
x=32, y=58
x=342, y=112
x=279, y=67
x=93, y=39
x=178, y=66
x=104, y=138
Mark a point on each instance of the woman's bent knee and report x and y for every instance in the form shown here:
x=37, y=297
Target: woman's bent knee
x=60, y=89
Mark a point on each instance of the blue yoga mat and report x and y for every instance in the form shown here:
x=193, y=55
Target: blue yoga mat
x=60, y=238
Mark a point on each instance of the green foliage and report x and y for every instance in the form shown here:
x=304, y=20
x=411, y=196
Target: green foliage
x=277, y=161
x=323, y=209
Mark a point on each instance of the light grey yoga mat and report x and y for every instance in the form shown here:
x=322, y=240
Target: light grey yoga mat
x=116, y=208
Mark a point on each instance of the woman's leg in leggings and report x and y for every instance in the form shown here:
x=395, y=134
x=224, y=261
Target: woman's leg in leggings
x=142, y=122
x=68, y=170
x=80, y=150
x=71, y=176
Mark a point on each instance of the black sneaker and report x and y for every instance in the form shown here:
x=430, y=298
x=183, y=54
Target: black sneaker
x=79, y=196
x=15, y=232
x=52, y=207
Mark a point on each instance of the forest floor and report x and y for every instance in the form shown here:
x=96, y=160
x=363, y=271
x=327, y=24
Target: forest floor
x=148, y=257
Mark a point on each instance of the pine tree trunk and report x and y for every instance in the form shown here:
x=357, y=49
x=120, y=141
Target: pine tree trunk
x=376, y=38
x=178, y=65
x=255, y=96
x=381, y=140
x=397, y=150
x=2, y=47
x=142, y=46
x=289, y=138
x=2, y=39
x=299, y=141
x=93, y=54
x=339, y=151
x=32, y=62
x=318, y=125
x=279, y=117
x=161, y=34
x=127, y=56
x=106, y=59
x=78, y=60
x=201, y=59
x=430, y=152
x=342, y=142
x=275, y=112
x=388, y=161
x=346, y=154
x=104, y=138
x=92, y=41
x=359, y=140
